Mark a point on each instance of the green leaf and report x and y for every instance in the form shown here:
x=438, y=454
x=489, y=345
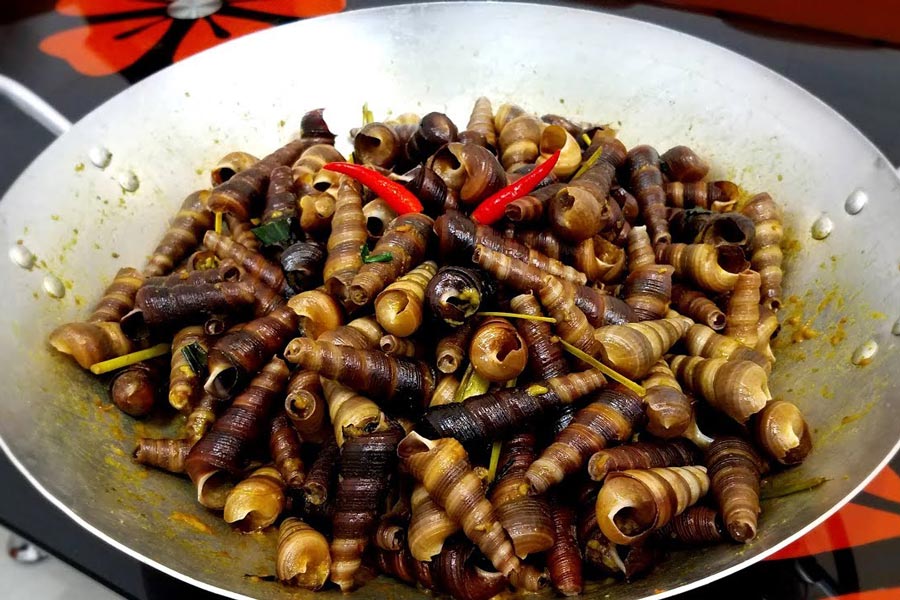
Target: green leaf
x=588, y=163
x=377, y=258
x=195, y=356
x=374, y=258
x=273, y=232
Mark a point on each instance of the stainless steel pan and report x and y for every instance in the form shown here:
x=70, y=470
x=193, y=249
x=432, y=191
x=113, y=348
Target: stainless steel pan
x=664, y=88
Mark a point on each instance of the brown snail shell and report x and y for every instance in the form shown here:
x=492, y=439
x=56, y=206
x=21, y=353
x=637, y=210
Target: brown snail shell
x=350, y=413
x=434, y=130
x=640, y=248
x=734, y=471
x=519, y=141
x=429, y=525
x=185, y=386
x=767, y=328
x=698, y=525
x=255, y=503
x=317, y=312
x=399, y=307
x=472, y=171
x=717, y=196
x=482, y=121
x=574, y=214
x=506, y=113
x=136, y=389
x=497, y=352
x=631, y=504
x=376, y=144
x=739, y=388
x=230, y=165
x=680, y=163
x=642, y=455
x=711, y=268
x=782, y=432
x=378, y=216
x=90, y=343
x=599, y=259
x=612, y=416
x=669, y=410
x=633, y=348
x=742, y=313
x=316, y=211
x=164, y=453
x=443, y=468
x=306, y=168
x=553, y=138
x=767, y=256
x=306, y=407
x=445, y=391
x=303, y=558
x=700, y=340
x=697, y=306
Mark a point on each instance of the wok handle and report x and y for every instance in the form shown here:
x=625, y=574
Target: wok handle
x=34, y=106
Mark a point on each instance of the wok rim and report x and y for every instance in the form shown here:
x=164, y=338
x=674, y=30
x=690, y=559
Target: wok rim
x=776, y=79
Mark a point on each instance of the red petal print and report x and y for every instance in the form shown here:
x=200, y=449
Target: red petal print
x=883, y=594
x=293, y=8
x=886, y=485
x=853, y=525
x=90, y=8
x=106, y=48
x=202, y=36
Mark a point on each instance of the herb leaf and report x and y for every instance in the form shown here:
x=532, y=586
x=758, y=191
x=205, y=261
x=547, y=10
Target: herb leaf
x=378, y=258
x=195, y=356
x=273, y=232
x=588, y=163
x=374, y=258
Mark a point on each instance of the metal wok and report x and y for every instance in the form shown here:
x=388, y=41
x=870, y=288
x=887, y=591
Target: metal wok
x=757, y=128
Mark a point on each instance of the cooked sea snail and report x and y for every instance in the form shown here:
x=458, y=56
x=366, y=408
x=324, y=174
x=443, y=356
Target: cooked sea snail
x=480, y=360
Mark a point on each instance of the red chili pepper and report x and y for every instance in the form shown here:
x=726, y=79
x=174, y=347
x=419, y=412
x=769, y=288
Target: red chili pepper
x=491, y=209
x=400, y=199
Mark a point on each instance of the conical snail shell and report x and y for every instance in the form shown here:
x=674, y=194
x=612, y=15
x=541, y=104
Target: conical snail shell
x=739, y=388
x=631, y=504
x=632, y=349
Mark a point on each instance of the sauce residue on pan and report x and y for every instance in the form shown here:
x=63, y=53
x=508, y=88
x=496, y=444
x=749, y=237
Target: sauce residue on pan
x=191, y=521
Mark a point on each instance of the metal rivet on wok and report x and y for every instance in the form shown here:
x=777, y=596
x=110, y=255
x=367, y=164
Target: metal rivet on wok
x=99, y=157
x=54, y=287
x=856, y=201
x=864, y=353
x=128, y=181
x=22, y=256
x=822, y=227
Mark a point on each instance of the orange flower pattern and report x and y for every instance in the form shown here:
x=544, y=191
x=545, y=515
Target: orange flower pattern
x=138, y=37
